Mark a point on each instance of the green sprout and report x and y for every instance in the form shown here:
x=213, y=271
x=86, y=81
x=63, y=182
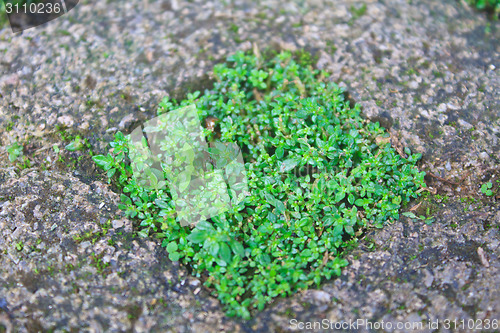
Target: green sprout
x=76, y=144
x=486, y=189
x=15, y=150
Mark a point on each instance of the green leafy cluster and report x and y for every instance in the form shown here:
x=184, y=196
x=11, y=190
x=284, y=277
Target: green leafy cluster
x=15, y=150
x=318, y=175
x=16, y=155
x=486, y=189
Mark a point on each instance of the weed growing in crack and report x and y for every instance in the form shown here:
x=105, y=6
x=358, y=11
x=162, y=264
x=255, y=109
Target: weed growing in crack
x=318, y=176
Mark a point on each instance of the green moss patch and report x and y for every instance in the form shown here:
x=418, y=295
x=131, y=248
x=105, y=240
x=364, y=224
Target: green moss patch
x=318, y=176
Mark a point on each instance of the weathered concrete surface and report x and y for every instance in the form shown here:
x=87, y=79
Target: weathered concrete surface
x=426, y=69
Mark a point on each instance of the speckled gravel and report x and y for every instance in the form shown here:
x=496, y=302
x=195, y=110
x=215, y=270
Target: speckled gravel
x=68, y=260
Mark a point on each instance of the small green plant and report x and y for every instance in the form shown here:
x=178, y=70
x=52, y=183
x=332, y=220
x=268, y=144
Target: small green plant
x=358, y=12
x=318, y=175
x=437, y=74
x=305, y=58
x=234, y=28
x=9, y=126
x=19, y=246
x=486, y=189
x=25, y=163
x=90, y=236
x=330, y=45
x=15, y=150
x=441, y=198
x=97, y=262
x=76, y=144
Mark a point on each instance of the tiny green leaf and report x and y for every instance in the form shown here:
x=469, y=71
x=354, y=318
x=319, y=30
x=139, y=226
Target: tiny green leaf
x=225, y=253
x=174, y=256
x=172, y=247
x=125, y=199
x=410, y=215
x=289, y=164
x=237, y=248
x=104, y=162
x=197, y=236
x=279, y=152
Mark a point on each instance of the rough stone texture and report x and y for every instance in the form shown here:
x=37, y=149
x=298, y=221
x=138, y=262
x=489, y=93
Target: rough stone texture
x=426, y=69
